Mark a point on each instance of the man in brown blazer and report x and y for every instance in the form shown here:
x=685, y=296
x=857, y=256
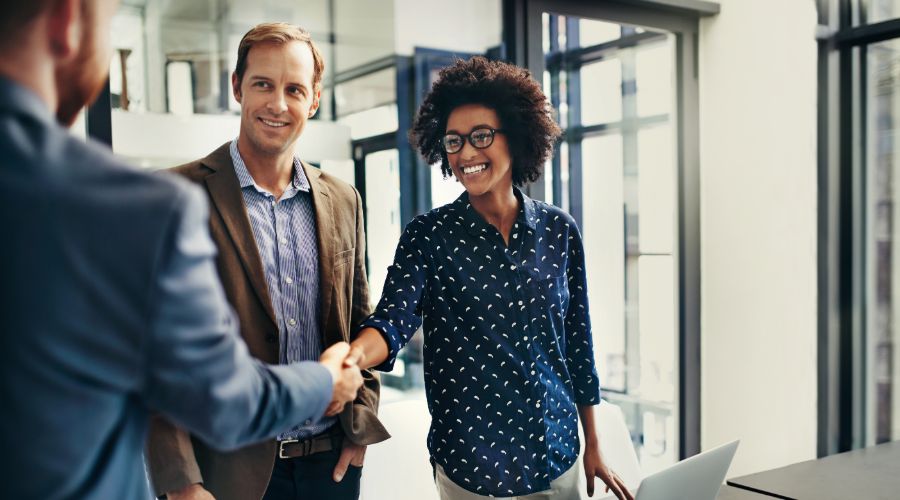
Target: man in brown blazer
x=292, y=261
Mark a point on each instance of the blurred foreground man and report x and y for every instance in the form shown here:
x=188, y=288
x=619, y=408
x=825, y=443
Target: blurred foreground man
x=111, y=308
x=291, y=254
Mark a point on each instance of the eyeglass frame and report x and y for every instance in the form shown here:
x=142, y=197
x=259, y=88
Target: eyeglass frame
x=468, y=138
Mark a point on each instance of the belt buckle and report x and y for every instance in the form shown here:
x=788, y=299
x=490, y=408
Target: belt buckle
x=281, y=447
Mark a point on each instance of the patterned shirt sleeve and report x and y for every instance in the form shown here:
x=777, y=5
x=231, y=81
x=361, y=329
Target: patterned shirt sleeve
x=398, y=314
x=579, y=345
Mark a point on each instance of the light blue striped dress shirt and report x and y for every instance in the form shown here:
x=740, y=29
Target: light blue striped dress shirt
x=285, y=233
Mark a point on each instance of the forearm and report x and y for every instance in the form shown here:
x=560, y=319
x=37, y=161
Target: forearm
x=373, y=346
x=588, y=424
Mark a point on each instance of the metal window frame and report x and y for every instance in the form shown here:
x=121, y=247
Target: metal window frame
x=522, y=36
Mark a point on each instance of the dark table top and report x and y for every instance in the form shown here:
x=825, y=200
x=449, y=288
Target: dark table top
x=732, y=493
x=871, y=473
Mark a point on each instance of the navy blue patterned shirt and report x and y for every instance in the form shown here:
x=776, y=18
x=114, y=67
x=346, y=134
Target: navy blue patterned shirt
x=507, y=346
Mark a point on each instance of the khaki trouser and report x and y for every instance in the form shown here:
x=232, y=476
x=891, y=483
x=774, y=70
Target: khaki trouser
x=565, y=487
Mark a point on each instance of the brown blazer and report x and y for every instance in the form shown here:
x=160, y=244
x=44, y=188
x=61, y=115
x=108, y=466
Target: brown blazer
x=176, y=459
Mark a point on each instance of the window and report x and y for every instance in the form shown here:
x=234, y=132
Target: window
x=616, y=176
x=622, y=79
x=859, y=346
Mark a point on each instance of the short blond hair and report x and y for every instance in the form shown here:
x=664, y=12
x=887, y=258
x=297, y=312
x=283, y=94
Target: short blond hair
x=278, y=33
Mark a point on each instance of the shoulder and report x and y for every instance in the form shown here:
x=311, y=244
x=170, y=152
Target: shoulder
x=340, y=192
x=552, y=216
x=197, y=170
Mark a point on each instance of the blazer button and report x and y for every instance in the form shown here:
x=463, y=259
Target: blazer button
x=271, y=338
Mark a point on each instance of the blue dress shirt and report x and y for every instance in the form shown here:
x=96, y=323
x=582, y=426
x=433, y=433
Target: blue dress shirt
x=285, y=235
x=508, y=350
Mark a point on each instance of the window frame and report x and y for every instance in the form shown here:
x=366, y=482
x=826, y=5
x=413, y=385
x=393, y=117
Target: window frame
x=523, y=39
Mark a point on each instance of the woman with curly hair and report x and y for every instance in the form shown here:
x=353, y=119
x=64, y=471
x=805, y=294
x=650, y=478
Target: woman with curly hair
x=498, y=280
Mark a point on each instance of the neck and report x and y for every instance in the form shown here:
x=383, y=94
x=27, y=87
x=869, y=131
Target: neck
x=499, y=209
x=270, y=172
x=28, y=62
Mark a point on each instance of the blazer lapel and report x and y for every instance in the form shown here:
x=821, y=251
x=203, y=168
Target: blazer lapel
x=225, y=192
x=321, y=197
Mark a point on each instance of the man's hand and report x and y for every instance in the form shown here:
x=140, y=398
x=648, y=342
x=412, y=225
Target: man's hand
x=351, y=454
x=594, y=467
x=347, y=378
x=192, y=492
x=353, y=359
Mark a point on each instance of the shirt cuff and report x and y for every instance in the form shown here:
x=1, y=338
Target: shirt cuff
x=391, y=336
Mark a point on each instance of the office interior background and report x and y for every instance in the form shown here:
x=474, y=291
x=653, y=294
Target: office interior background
x=731, y=165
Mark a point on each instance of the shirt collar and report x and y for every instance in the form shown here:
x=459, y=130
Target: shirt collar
x=475, y=223
x=16, y=97
x=301, y=182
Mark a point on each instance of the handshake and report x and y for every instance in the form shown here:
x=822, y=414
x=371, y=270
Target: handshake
x=343, y=362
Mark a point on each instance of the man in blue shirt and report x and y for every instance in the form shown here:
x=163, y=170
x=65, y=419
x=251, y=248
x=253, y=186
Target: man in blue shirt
x=111, y=305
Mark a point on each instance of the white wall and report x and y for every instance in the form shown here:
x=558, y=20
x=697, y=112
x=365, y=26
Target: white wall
x=461, y=26
x=156, y=140
x=758, y=218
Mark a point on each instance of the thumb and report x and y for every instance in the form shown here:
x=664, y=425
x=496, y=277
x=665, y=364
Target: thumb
x=336, y=353
x=341, y=468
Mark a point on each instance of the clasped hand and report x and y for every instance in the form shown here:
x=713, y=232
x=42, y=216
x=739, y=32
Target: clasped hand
x=343, y=363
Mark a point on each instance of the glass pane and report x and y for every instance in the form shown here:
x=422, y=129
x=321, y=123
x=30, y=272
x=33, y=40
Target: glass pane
x=601, y=92
x=875, y=11
x=366, y=92
x=882, y=255
x=654, y=79
x=657, y=383
x=382, y=215
x=371, y=122
x=604, y=244
x=443, y=191
x=656, y=190
x=594, y=32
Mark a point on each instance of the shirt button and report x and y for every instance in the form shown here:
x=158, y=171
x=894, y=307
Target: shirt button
x=288, y=280
x=520, y=302
x=284, y=240
x=292, y=322
x=308, y=422
x=513, y=267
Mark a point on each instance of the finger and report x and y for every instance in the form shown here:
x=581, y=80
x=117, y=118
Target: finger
x=341, y=468
x=333, y=409
x=590, y=484
x=624, y=488
x=354, y=357
x=336, y=352
x=359, y=457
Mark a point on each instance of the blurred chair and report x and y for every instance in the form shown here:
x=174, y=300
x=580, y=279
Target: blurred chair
x=398, y=468
x=616, y=447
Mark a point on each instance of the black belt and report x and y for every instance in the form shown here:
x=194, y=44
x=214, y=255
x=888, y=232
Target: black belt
x=326, y=441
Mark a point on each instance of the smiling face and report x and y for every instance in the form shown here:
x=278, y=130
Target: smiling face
x=481, y=171
x=277, y=97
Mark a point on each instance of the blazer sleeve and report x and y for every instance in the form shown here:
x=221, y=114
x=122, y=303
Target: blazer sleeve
x=360, y=420
x=198, y=371
x=171, y=462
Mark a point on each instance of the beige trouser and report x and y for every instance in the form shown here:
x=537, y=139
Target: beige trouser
x=565, y=487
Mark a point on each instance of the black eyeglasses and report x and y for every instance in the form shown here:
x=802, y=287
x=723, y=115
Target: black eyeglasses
x=479, y=138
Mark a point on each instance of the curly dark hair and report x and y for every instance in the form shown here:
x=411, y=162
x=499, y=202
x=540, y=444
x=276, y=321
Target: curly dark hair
x=524, y=111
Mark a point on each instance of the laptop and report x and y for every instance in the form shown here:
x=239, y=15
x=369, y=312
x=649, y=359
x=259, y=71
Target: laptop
x=695, y=478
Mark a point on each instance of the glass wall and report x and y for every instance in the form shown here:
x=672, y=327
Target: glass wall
x=882, y=248
x=612, y=86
